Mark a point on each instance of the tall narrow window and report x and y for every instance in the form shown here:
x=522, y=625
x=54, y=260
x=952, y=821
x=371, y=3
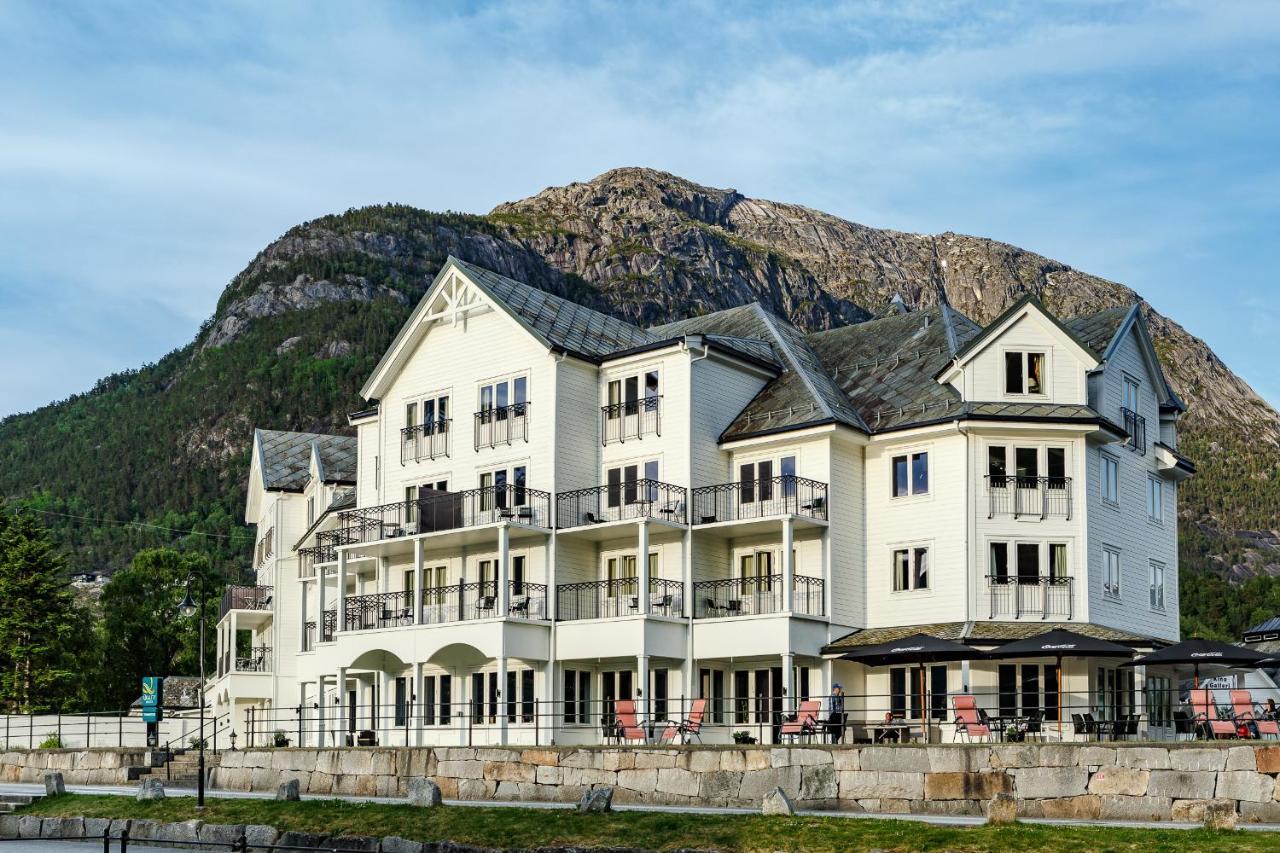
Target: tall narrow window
x=502, y=399
x=764, y=479
x=922, y=568
x=1110, y=479
x=1013, y=373
x=526, y=696
x=1008, y=687
x=1035, y=373
x=520, y=393
x=1028, y=562
x=1056, y=467
x=1026, y=461
x=615, y=399
x=410, y=414
x=747, y=483
x=651, y=475
x=787, y=468
x=1111, y=572
x=999, y=566
x=1131, y=394
x=1157, y=585
x=631, y=388
x=901, y=570
x=651, y=391
x=1155, y=500
x=613, y=491
x=997, y=466
x=901, y=485
x=1057, y=560
x=919, y=473
x=518, y=495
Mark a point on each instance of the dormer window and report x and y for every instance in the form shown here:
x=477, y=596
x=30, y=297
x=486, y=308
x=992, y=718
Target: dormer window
x=1023, y=372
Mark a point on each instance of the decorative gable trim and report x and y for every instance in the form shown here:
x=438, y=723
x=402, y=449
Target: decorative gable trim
x=1027, y=306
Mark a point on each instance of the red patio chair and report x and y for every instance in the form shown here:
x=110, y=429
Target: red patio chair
x=805, y=723
x=1206, y=714
x=1242, y=705
x=687, y=728
x=968, y=719
x=629, y=728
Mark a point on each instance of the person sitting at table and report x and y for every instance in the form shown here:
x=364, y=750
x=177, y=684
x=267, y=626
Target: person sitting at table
x=890, y=732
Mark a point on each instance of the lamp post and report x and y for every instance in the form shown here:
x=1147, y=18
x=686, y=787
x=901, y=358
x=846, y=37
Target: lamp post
x=189, y=608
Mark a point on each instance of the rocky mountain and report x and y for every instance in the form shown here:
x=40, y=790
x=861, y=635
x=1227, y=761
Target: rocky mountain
x=298, y=330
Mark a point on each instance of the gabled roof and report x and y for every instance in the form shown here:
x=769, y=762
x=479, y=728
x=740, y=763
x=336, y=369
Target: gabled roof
x=1104, y=331
x=1098, y=331
x=284, y=458
x=344, y=498
x=984, y=633
x=996, y=326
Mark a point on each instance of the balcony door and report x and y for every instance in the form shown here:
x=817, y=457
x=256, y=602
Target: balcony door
x=437, y=507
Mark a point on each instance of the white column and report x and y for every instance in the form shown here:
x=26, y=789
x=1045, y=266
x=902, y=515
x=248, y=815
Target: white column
x=320, y=600
x=547, y=708
x=642, y=564
x=788, y=564
x=302, y=619
x=342, y=591
x=642, y=688
x=386, y=708
x=789, y=704
x=340, y=692
x=504, y=569
x=234, y=622
x=302, y=713
x=1139, y=694
x=503, y=699
x=418, y=582
x=384, y=575
x=418, y=694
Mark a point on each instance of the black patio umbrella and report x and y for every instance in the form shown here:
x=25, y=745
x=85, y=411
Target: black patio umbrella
x=918, y=649
x=1197, y=652
x=1058, y=644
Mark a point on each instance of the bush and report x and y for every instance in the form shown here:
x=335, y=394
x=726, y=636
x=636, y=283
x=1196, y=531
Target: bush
x=51, y=742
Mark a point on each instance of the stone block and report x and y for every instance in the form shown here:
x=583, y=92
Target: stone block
x=819, y=782
x=1125, y=781
x=548, y=757
x=902, y=759
x=320, y=783
x=845, y=759
x=1043, y=782
x=673, y=780
x=356, y=762
x=757, y=759
x=588, y=776
x=1058, y=755
x=597, y=800
x=54, y=784
x=733, y=759
x=1014, y=755
x=476, y=789
x=894, y=806
x=9, y=826
x=1197, y=759
x=263, y=779
x=94, y=827
x=1143, y=757
x=150, y=789
x=1245, y=785
x=186, y=832
x=464, y=769
x=1241, y=758
x=953, y=759
x=1182, y=784
x=1267, y=758
x=221, y=833
x=1260, y=812
x=29, y=826
x=757, y=783
x=719, y=785
x=509, y=771
x=545, y=775
x=448, y=787
x=576, y=758
x=776, y=802
x=1220, y=815
x=456, y=753
x=422, y=762
x=143, y=830
x=424, y=793
x=289, y=791
x=1002, y=810
x=656, y=760
x=702, y=760
x=1085, y=807
x=396, y=844
x=639, y=780
x=964, y=785
x=618, y=759
x=1135, y=808
x=883, y=784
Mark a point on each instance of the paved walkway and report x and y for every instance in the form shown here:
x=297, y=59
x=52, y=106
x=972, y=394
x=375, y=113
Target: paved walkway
x=936, y=820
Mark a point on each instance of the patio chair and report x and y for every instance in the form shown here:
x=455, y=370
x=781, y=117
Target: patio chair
x=1242, y=706
x=709, y=607
x=1206, y=715
x=805, y=722
x=1183, y=724
x=968, y=719
x=689, y=727
x=1080, y=726
x=520, y=605
x=1034, y=725
x=485, y=605
x=629, y=728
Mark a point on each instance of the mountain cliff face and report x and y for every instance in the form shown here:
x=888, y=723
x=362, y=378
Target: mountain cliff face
x=298, y=330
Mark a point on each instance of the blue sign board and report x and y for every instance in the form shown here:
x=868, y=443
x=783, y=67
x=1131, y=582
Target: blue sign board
x=152, y=699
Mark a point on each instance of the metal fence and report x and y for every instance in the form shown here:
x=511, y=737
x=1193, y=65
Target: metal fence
x=623, y=500
x=756, y=594
x=1022, y=497
x=760, y=498
x=99, y=729
x=631, y=420
x=618, y=597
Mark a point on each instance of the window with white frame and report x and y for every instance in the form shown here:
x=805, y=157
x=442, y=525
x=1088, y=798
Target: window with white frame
x=1131, y=389
x=1155, y=500
x=624, y=487
x=1157, y=585
x=1110, y=478
x=504, y=398
x=630, y=394
x=504, y=488
x=1111, y=572
x=1023, y=372
x=910, y=568
x=767, y=479
x=910, y=474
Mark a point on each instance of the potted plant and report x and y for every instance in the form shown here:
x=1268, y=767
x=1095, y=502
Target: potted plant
x=743, y=737
x=280, y=738
x=1014, y=733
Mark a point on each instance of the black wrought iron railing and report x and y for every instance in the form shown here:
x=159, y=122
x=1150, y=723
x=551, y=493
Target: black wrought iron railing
x=1039, y=597
x=329, y=624
x=425, y=441
x=314, y=555
x=460, y=602
x=502, y=425
x=756, y=595
x=760, y=498
x=631, y=420
x=245, y=598
x=618, y=597
x=527, y=600
x=622, y=501
x=254, y=659
x=378, y=610
x=435, y=512
x=1046, y=497
x=1136, y=425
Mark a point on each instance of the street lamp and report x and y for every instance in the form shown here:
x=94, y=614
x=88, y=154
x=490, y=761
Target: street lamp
x=187, y=607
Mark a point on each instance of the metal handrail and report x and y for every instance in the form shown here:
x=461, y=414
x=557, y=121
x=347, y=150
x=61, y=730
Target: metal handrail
x=623, y=501
x=760, y=498
x=425, y=441
x=501, y=425
x=1009, y=494
x=378, y=610
x=435, y=512
x=632, y=419
x=1048, y=596
x=1136, y=425
x=258, y=660
x=245, y=598
x=618, y=597
x=757, y=594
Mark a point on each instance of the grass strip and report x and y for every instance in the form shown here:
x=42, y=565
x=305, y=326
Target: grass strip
x=524, y=828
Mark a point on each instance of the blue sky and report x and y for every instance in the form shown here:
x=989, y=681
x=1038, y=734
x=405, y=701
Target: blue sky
x=149, y=150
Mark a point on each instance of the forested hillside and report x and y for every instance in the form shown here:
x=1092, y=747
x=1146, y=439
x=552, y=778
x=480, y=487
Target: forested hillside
x=298, y=331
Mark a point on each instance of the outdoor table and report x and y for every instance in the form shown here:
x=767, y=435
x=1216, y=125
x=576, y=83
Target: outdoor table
x=901, y=731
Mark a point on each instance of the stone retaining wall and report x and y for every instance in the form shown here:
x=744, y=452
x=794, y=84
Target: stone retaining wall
x=1108, y=782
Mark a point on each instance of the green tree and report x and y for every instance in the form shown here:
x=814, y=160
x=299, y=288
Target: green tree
x=142, y=631
x=38, y=618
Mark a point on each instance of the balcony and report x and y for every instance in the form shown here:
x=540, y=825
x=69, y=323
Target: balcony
x=752, y=596
x=619, y=502
x=1029, y=497
x=503, y=425
x=425, y=441
x=1136, y=425
x=630, y=420
x=438, y=512
x=752, y=500
x=619, y=597
x=257, y=659
x=1031, y=597
x=462, y=602
x=245, y=598
x=309, y=558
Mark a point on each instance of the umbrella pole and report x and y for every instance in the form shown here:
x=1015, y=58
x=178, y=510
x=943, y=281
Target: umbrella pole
x=1059, y=698
x=924, y=711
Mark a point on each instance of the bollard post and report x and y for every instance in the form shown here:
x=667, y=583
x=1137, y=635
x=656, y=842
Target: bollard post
x=88, y=731
x=124, y=839
x=106, y=838
x=120, y=730
x=300, y=725
x=31, y=731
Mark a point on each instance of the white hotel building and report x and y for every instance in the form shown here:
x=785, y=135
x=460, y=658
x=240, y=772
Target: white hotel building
x=545, y=509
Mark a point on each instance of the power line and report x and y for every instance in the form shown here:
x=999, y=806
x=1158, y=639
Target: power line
x=129, y=523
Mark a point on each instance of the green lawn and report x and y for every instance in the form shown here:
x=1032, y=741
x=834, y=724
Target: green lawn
x=514, y=827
